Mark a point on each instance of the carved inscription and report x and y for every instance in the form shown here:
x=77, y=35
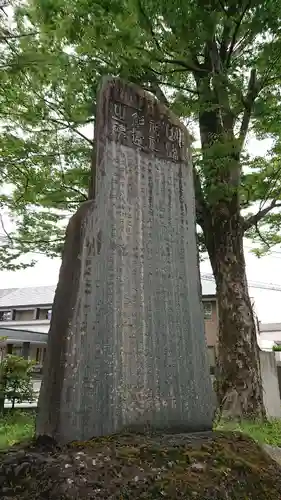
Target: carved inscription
x=138, y=123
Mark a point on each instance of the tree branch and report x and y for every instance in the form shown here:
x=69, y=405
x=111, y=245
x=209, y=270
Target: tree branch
x=156, y=90
x=253, y=220
x=200, y=202
x=183, y=88
x=9, y=36
x=253, y=90
x=149, y=28
x=261, y=236
x=68, y=125
x=4, y=229
x=235, y=33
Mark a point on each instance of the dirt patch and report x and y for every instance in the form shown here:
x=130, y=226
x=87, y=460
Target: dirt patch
x=215, y=466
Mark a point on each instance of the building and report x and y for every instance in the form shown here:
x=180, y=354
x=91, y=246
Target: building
x=269, y=334
x=26, y=310
x=24, y=322
x=25, y=315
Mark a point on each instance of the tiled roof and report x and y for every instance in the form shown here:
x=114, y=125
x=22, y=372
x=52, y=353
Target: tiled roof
x=44, y=295
x=30, y=296
x=5, y=291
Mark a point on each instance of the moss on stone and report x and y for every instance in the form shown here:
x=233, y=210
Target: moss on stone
x=218, y=467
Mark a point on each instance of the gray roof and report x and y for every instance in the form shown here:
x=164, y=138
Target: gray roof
x=30, y=296
x=270, y=327
x=44, y=295
x=23, y=335
x=5, y=291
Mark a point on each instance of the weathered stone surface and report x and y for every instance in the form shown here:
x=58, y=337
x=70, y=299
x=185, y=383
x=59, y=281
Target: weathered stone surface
x=274, y=452
x=127, y=346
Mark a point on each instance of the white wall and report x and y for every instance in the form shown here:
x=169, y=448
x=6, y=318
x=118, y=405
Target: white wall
x=271, y=395
x=41, y=326
x=274, y=336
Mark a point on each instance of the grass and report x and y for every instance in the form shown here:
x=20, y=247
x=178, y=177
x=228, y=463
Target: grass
x=15, y=428
x=262, y=432
x=19, y=426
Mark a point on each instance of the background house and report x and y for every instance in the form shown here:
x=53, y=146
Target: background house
x=25, y=315
x=29, y=310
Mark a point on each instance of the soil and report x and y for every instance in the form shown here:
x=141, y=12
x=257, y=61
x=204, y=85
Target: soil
x=213, y=466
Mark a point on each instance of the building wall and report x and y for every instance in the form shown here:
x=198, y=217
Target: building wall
x=32, y=318
x=274, y=336
x=41, y=326
x=271, y=394
x=211, y=329
x=211, y=322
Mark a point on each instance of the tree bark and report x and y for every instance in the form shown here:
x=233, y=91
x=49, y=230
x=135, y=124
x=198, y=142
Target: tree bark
x=239, y=385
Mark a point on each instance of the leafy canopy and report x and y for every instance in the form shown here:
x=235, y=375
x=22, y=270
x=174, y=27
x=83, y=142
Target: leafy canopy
x=217, y=64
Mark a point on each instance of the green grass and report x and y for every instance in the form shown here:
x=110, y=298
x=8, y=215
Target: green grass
x=19, y=426
x=262, y=432
x=15, y=428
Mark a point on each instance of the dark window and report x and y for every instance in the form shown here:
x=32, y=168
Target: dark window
x=6, y=315
x=17, y=350
x=212, y=359
x=208, y=310
x=40, y=355
x=37, y=355
x=43, y=313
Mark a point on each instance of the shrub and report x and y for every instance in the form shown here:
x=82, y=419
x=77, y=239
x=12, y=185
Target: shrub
x=16, y=380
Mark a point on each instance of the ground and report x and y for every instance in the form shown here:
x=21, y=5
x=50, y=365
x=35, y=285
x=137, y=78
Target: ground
x=214, y=466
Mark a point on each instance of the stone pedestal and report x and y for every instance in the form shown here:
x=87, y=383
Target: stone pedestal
x=127, y=346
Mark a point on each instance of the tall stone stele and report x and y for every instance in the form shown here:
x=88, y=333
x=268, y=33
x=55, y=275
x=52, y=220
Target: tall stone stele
x=126, y=347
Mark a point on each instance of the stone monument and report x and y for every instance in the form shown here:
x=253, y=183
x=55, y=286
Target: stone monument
x=126, y=345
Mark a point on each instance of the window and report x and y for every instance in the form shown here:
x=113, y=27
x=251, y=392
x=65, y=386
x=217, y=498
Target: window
x=212, y=359
x=17, y=350
x=24, y=315
x=208, y=310
x=6, y=315
x=43, y=313
x=40, y=355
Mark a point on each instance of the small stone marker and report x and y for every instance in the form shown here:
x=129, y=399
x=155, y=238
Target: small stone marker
x=127, y=346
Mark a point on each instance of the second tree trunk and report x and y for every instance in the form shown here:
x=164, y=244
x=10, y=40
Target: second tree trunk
x=239, y=385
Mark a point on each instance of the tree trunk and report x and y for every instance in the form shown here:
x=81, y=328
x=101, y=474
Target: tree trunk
x=239, y=385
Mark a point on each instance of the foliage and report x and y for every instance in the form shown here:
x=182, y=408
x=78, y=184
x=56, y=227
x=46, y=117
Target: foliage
x=263, y=432
x=276, y=348
x=215, y=63
x=19, y=426
x=15, y=379
x=16, y=427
